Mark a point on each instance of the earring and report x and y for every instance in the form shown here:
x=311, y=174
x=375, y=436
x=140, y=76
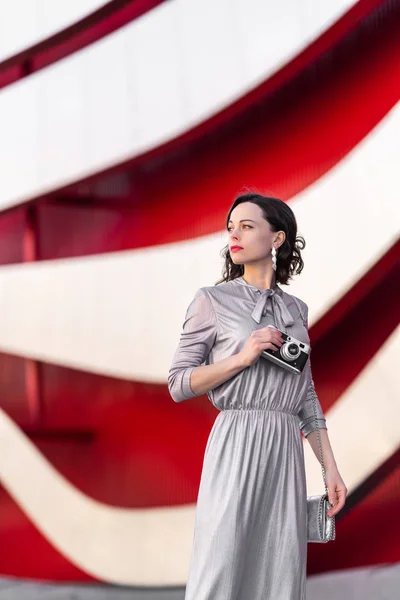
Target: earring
x=273, y=258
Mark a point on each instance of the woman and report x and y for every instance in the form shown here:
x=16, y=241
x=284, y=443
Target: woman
x=250, y=538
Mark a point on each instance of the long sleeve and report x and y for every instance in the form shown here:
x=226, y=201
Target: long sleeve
x=306, y=414
x=196, y=340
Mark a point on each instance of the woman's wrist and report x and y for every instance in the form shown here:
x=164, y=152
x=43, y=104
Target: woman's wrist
x=240, y=360
x=330, y=465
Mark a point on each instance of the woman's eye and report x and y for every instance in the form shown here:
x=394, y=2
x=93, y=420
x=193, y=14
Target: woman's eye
x=229, y=228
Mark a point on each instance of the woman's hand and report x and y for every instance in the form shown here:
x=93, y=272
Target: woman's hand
x=337, y=491
x=260, y=339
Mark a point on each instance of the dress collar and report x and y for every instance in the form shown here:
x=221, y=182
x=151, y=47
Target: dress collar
x=242, y=281
x=275, y=294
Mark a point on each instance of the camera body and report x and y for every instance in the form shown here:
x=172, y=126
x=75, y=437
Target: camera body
x=292, y=355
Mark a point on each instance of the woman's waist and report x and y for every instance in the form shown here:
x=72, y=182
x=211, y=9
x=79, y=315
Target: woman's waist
x=260, y=409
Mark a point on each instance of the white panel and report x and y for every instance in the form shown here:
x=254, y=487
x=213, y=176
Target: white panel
x=24, y=23
x=145, y=84
x=52, y=310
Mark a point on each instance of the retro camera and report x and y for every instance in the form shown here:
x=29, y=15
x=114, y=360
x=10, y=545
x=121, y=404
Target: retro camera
x=292, y=355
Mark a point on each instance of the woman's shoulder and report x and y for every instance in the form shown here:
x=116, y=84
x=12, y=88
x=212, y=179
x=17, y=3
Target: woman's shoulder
x=299, y=302
x=214, y=290
x=217, y=295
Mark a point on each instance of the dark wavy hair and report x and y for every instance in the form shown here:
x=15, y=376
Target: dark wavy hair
x=281, y=218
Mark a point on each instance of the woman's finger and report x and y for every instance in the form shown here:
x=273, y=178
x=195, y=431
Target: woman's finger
x=332, y=494
x=339, y=503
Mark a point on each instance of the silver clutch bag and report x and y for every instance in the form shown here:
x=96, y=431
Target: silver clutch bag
x=320, y=527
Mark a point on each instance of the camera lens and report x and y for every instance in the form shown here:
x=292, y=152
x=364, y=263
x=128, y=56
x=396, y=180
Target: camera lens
x=290, y=351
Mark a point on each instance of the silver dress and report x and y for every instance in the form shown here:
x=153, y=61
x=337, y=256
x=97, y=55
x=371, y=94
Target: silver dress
x=250, y=536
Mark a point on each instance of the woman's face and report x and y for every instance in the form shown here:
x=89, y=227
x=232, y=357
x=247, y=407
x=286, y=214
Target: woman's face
x=248, y=228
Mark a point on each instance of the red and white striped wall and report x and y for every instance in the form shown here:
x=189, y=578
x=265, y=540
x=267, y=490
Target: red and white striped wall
x=119, y=163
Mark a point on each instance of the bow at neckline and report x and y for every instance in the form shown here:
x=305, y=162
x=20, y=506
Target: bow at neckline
x=281, y=311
